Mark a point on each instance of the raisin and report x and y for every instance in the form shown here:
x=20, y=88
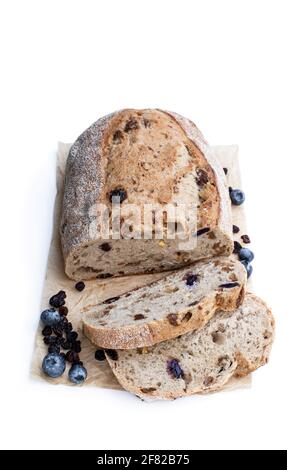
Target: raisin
x=50, y=340
x=72, y=336
x=58, y=300
x=118, y=193
x=139, y=316
x=208, y=381
x=245, y=239
x=235, y=229
x=104, y=276
x=118, y=137
x=80, y=286
x=202, y=177
x=47, y=331
x=68, y=327
x=237, y=247
x=172, y=318
x=76, y=346
x=190, y=279
x=225, y=170
x=54, y=348
x=66, y=345
x=131, y=125
x=63, y=311
x=202, y=231
x=58, y=330
x=105, y=247
x=112, y=354
x=73, y=357
x=111, y=300
x=229, y=285
x=174, y=369
x=100, y=355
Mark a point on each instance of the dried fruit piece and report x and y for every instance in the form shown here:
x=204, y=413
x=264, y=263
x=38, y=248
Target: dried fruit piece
x=47, y=331
x=237, y=247
x=172, y=318
x=190, y=279
x=118, y=195
x=100, y=355
x=80, y=286
x=131, y=125
x=229, y=285
x=139, y=316
x=111, y=300
x=58, y=300
x=112, y=354
x=63, y=311
x=202, y=177
x=245, y=238
x=105, y=247
x=174, y=369
x=235, y=229
x=118, y=137
x=202, y=231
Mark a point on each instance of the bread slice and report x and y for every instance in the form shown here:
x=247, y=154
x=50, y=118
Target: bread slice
x=231, y=344
x=158, y=161
x=180, y=302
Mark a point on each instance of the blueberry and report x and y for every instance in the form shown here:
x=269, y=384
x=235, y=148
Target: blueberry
x=248, y=267
x=246, y=255
x=237, y=196
x=50, y=317
x=77, y=374
x=54, y=365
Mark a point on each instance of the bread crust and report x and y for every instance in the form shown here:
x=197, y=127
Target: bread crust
x=86, y=183
x=241, y=366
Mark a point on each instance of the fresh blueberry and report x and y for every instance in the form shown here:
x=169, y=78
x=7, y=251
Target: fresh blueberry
x=54, y=365
x=237, y=196
x=50, y=317
x=248, y=267
x=77, y=374
x=246, y=255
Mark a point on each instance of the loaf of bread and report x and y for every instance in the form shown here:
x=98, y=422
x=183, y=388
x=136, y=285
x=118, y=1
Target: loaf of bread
x=182, y=301
x=230, y=344
x=142, y=157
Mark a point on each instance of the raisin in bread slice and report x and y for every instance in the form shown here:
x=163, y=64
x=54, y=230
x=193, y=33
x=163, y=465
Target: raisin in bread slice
x=180, y=302
x=231, y=344
x=145, y=157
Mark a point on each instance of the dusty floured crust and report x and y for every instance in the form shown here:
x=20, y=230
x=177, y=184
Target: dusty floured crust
x=94, y=169
x=189, y=318
x=240, y=365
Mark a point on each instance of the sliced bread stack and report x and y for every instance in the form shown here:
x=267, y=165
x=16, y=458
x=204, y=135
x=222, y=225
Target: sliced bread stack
x=194, y=329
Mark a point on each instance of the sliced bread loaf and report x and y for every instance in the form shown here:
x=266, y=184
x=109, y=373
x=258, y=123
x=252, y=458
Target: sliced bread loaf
x=233, y=343
x=182, y=301
x=148, y=159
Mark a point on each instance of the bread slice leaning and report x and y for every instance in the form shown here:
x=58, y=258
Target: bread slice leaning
x=231, y=344
x=181, y=302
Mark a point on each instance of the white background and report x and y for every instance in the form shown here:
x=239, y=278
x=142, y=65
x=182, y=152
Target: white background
x=63, y=65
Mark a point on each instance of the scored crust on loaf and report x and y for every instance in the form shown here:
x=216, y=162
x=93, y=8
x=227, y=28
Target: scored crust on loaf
x=180, y=302
x=157, y=158
x=230, y=344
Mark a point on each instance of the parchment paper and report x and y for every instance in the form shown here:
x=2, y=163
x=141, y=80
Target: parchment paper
x=99, y=373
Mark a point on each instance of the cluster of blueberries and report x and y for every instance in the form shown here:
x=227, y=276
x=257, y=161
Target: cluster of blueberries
x=54, y=363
